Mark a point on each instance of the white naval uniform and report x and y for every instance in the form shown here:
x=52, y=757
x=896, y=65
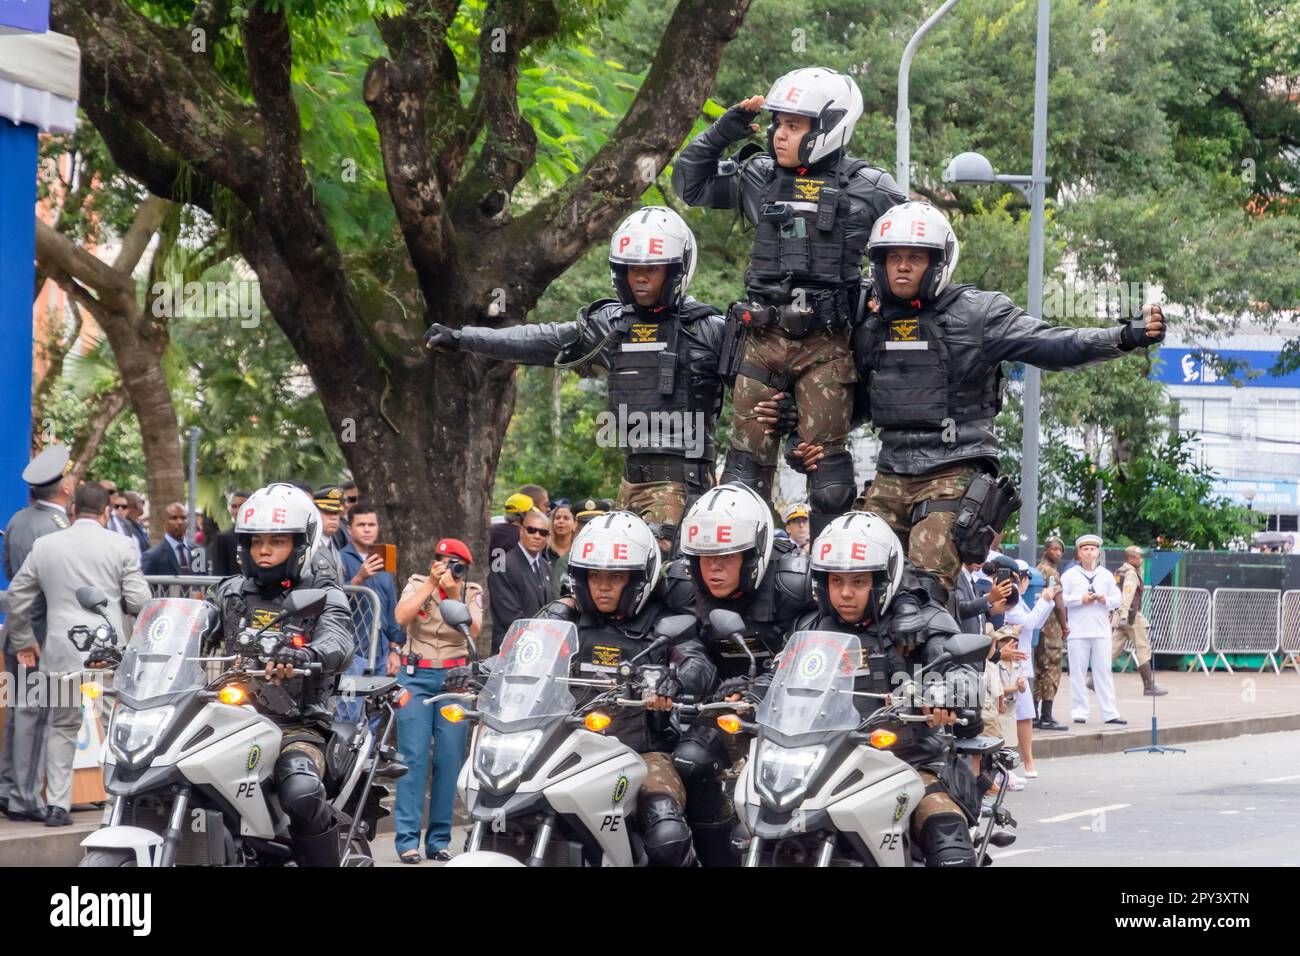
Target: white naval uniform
x=1030, y=619
x=1089, y=640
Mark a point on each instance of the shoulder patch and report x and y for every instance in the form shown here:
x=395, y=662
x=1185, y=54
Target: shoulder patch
x=59, y=518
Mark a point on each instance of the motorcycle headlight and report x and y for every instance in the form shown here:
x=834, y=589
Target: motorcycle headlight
x=133, y=734
x=500, y=759
x=782, y=774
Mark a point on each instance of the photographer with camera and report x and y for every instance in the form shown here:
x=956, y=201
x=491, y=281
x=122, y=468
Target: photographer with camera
x=432, y=647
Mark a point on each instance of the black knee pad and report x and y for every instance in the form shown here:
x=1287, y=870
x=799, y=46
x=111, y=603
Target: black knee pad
x=699, y=764
x=664, y=831
x=945, y=841
x=830, y=491
x=746, y=469
x=302, y=793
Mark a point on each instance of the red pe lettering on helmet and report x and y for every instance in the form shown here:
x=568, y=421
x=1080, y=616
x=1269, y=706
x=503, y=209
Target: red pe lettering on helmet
x=793, y=94
x=724, y=534
x=858, y=551
x=587, y=548
x=918, y=227
x=620, y=551
x=278, y=516
x=656, y=246
x=248, y=513
x=692, y=531
x=825, y=549
x=623, y=242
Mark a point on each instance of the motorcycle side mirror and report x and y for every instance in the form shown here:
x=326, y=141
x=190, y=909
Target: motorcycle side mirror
x=305, y=603
x=732, y=625
x=967, y=648
x=92, y=599
x=671, y=629
x=455, y=613
x=726, y=623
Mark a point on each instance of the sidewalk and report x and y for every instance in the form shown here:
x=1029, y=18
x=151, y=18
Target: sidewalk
x=1197, y=707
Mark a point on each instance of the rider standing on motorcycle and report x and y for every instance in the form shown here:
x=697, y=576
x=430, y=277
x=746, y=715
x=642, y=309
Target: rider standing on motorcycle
x=276, y=530
x=614, y=563
x=864, y=587
x=732, y=561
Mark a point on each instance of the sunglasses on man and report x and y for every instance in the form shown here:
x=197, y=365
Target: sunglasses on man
x=545, y=533
x=121, y=507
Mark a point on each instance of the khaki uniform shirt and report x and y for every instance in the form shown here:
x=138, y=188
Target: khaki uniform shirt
x=428, y=637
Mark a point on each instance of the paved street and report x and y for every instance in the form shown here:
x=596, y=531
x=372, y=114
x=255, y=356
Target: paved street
x=1223, y=803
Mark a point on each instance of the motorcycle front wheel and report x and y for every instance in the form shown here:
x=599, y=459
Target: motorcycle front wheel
x=108, y=858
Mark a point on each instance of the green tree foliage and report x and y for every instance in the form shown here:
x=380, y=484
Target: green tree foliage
x=1161, y=497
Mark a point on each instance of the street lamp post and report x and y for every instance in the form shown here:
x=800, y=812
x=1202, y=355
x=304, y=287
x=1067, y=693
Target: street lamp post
x=903, y=119
x=975, y=168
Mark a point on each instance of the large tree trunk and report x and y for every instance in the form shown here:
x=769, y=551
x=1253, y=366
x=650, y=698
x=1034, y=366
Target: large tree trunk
x=421, y=433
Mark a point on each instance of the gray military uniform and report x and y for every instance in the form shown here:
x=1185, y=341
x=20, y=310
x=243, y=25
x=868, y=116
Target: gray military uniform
x=86, y=554
x=23, y=744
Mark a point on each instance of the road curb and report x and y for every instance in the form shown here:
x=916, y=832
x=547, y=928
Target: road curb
x=1090, y=743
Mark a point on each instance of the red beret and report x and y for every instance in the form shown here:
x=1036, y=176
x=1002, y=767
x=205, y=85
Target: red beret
x=455, y=547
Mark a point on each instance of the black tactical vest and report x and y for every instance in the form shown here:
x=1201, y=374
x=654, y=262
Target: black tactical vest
x=769, y=613
x=249, y=609
x=799, y=231
x=911, y=366
x=603, y=644
x=651, y=378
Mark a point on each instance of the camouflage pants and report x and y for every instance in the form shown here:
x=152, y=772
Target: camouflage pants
x=1135, y=632
x=656, y=502
x=822, y=368
x=662, y=777
x=932, y=804
x=929, y=545
x=1047, y=660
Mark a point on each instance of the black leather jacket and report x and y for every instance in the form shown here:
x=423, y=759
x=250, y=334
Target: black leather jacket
x=604, y=642
x=980, y=330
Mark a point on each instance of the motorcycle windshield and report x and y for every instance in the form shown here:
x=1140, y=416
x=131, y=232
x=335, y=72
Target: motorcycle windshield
x=812, y=685
x=156, y=661
x=523, y=685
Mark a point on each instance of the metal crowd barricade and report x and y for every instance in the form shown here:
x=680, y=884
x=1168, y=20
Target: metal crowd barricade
x=1246, y=621
x=1178, y=622
x=1290, y=645
x=366, y=610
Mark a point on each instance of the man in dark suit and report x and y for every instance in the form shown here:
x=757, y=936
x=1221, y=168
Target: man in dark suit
x=134, y=512
x=503, y=535
x=974, y=604
x=222, y=557
x=523, y=585
x=171, y=555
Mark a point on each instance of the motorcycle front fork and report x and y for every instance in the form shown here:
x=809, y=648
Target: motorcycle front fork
x=824, y=853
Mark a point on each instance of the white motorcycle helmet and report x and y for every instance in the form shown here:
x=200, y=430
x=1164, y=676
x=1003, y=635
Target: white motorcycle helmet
x=278, y=509
x=728, y=519
x=618, y=541
x=854, y=542
x=653, y=235
x=831, y=99
x=914, y=225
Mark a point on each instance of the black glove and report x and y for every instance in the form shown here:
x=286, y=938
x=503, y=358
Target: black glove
x=459, y=679
x=295, y=657
x=791, y=459
x=732, y=685
x=734, y=124
x=442, y=338
x=1134, y=334
x=670, y=686
x=109, y=656
x=787, y=415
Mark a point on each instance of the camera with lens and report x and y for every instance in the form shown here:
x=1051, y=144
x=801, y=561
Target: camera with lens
x=458, y=568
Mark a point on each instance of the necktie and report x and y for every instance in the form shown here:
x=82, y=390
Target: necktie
x=182, y=557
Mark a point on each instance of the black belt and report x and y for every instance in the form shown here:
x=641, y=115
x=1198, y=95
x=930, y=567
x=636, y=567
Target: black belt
x=782, y=383
x=923, y=508
x=661, y=469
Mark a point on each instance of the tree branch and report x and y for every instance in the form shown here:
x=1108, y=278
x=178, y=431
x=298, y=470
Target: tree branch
x=148, y=217
x=415, y=101
x=556, y=232
x=152, y=77
x=64, y=260
x=509, y=26
x=88, y=438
